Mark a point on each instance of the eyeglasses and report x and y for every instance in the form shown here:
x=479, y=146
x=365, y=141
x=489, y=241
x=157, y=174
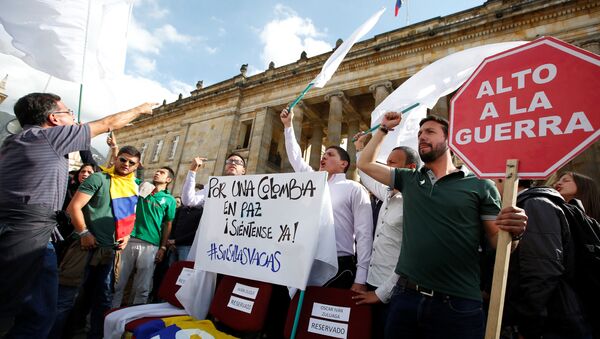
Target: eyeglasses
x=69, y=111
x=124, y=161
x=234, y=162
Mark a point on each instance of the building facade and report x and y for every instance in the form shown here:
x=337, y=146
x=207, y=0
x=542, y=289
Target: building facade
x=241, y=114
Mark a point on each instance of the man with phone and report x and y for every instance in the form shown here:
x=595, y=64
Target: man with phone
x=91, y=260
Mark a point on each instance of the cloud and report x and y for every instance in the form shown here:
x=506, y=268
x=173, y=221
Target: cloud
x=211, y=50
x=285, y=37
x=168, y=33
x=152, y=8
x=141, y=40
x=143, y=65
x=222, y=31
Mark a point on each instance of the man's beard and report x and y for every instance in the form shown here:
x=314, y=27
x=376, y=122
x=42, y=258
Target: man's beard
x=435, y=152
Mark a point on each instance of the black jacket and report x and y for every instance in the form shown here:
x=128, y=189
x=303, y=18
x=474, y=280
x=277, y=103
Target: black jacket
x=185, y=225
x=539, y=299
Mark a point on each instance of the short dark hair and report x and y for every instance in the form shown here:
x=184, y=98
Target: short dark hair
x=526, y=183
x=237, y=155
x=170, y=170
x=343, y=155
x=34, y=108
x=412, y=157
x=131, y=151
x=436, y=118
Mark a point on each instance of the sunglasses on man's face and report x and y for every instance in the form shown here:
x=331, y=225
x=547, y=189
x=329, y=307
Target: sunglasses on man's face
x=124, y=161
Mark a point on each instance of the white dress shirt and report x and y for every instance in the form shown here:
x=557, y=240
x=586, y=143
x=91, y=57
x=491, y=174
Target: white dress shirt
x=388, y=233
x=189, y=196
x=352, y=214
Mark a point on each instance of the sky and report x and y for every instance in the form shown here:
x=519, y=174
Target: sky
x=173, y=44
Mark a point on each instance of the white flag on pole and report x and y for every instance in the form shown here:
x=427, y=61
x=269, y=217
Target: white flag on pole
x=338, y=56
x=440, y=78
x=50, y=35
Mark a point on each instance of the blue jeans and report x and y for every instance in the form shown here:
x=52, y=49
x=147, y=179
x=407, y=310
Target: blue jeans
x=180, y=254
x=414, y=315
x=99, y=279
x=35, y=318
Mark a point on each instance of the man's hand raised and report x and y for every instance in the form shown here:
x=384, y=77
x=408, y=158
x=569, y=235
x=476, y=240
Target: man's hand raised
x=286, y=117
x=391, y=120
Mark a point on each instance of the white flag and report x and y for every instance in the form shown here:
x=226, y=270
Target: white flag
x=338, y=56
x=54, y=35
x=440, y=78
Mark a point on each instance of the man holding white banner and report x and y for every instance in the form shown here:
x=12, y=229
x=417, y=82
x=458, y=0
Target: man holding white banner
x=352, y=214
x=445, y=210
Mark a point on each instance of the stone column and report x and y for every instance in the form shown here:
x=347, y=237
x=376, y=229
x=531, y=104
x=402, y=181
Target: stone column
x=261, y=141
x=316, y=142
x=380, y=91
x=353, y=128
x=334, y=125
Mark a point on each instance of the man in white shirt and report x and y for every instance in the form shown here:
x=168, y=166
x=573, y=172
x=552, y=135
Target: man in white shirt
x=388, y=229
x=234, y=165
x=352, y=213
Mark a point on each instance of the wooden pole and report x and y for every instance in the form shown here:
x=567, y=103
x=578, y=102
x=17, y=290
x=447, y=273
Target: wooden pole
x=509, y=198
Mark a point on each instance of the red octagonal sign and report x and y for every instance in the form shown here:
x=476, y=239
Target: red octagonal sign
x=538, y=103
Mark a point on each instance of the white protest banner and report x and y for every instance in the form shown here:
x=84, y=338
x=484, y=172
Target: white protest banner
x=262, y=227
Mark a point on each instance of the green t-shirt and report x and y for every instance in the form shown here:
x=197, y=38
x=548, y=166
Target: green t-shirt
x=150, y=214
x=98, y=213
x=442, y=229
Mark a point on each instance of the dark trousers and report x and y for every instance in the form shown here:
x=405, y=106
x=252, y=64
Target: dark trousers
x=99, y=281
x=379, y=314
x=35, y=318
x=414, y=315
x=344, y=278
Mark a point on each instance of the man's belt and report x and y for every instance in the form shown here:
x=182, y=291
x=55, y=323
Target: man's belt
x=404, y=282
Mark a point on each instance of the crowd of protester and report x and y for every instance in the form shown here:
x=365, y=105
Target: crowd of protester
x=418, y=257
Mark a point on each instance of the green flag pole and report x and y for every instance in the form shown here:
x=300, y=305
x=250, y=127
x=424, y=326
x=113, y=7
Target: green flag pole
x=300, y=298
x=79, y=105
x=300, y=96
x=370, y=130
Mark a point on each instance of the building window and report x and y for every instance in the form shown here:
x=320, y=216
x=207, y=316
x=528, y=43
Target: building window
x=173, y=147
x=245, y=134
x=157, y=149
x=143, y=151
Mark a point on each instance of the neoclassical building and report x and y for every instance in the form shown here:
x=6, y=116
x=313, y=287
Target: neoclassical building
x=241, y=114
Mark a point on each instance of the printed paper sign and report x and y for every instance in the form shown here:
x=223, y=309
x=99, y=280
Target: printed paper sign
x=183, y=276
x=245, y=291
x=328, y=328
x=240, y=304
x=262, y=227
x=145, y=189
x=331, y=312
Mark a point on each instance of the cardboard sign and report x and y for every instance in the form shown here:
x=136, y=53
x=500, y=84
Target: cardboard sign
x=328, y=328
x=262, y=227
x=183, y=276
x=245, y=291
x=536, y=103
x=240, y=304
x=331, y=312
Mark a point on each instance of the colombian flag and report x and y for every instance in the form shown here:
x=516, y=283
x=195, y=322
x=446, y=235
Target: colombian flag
x=178, y=327
x=124, y=196
x=398, y=4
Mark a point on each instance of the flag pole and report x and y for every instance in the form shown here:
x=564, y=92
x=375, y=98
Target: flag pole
x=406, y=110
x=300, y=96
x=297, y=316
x=87, y=29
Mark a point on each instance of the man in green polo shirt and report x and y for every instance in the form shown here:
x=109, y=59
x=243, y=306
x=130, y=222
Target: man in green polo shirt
x=446, y=209
x=148, y=242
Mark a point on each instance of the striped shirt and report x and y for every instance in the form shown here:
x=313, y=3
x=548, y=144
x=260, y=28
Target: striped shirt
x=33, y=164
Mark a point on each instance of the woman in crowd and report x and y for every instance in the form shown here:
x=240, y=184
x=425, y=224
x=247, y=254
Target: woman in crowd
x=574, y=185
